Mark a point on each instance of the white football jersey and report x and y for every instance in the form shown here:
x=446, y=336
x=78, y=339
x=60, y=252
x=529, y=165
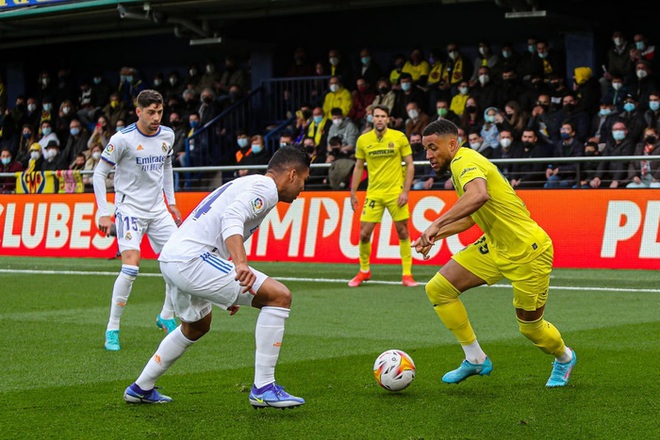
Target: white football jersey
x=237, y=207
x=139, y=163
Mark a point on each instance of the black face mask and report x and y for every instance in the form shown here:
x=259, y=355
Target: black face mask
x=470, y=109
x=650, y=140
x=310, y=149
x=383, y=90
x=207, y=100
x=417, y=147
x=589, y=153
x=569, y=107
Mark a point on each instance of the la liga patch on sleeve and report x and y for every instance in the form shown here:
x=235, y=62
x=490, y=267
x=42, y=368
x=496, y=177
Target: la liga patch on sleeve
x=257, y=204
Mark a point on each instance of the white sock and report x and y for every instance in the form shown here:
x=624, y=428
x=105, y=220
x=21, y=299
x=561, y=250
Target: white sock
x=566, y=357
x=474, y=354
x=120, y=293
x=170, y=349
x=268, y=336
x=167, y=312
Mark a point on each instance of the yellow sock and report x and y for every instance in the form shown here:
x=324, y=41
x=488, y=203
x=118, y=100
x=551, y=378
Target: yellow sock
x=406, y=256
x=544, y=335
x=444, y=298
x=365, y=255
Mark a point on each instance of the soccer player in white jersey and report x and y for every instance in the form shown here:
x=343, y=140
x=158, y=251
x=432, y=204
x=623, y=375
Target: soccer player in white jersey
x=141, y=155
x=206, y=262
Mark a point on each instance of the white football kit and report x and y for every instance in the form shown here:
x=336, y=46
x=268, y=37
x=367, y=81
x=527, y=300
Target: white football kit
x=143, y=170
x=196, y=259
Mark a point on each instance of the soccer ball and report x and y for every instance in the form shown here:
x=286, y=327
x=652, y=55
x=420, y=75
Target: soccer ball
x=394, y=370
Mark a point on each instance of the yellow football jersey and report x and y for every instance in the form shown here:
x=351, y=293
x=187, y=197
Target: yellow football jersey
x=504, y=218
x=384, y=158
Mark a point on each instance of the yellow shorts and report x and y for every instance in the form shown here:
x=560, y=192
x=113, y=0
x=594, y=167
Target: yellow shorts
x=530, y=280
x=374, y=206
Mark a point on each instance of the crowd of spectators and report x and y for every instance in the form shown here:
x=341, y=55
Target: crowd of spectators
x=508, y=104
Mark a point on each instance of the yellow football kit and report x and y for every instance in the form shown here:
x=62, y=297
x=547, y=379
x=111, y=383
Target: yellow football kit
x=384, y=159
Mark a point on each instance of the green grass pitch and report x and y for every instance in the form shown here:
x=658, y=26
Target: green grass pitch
x=58, y=382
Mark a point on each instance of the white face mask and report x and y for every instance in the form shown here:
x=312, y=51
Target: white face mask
x=34, y=155
x=483, y=51
x=31, y=107
x=475, y=145
x=334, y=87
x=96, y=155
x=641, y=73
x=616, y=86
x=51, y=153
x=483, y=79
x=334, y=61
x=337, y=122
x=453, y=55
x=618, y=41
x=505, y=143
x=413, y=114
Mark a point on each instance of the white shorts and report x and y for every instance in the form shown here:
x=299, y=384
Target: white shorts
x=131, y=229
x=203, y=281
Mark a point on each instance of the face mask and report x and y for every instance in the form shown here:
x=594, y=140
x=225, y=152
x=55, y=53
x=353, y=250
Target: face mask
x=505, y=143
x=51, y=153
x=157, y=82
x=192, y=72
x=317, y=119
x=45, y=81
x=506, y=53
x=27, y=135
x=490, y=118
x=442, y=112
x=531, y=48
x=370, y=119
x=210, y=68
x=242, y=142
x=617, y=86
x=66, y=110
x=605, y=112
x=460, y=140
x=337, y=122
x=413, y=114
x=6, y=160
x=122, y=78
x=405, y=86
x=309, y=149
x=172, y=81
x=569, y=107
x=119, y=128
x=543, y=55
x=334, y=61
x=475, y=145
x=483, y=79
x=194, y=124
x=618, y=41
x=96, y=155
x=453, y=55
x=129, y=79
x=34, y=155
x=463, y=90
x=629, y=107
x=640, y=45
x=257, y=148
x=97, y=80
x=48, y=106
x=618, y=135
x=470, y=109
x=74, y=131
x=365, y=60
x=334, y=87
x=648, y=140
x=383, y=90
x=46, y=131
x=590, y=153
x=31, y=107
x=207, y=99
x=362, y=88
x=565, y=136
x=483, y=51
x=641, y=73
x=654, y=105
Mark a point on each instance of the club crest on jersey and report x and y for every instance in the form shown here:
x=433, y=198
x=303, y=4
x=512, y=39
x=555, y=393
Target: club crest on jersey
x=164, y=147
x=128, y=236
x=109, y=148
x=257, y=204
x=390, y=145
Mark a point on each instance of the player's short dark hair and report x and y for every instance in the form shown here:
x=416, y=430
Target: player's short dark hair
x=288, y=157
x=441, y=127
x=382, y=107
x=147, y=97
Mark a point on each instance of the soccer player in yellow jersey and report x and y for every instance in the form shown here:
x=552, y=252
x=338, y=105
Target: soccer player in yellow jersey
x=383, y=150
x=513, y=246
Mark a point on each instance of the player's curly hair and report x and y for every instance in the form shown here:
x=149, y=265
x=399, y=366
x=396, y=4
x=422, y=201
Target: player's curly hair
x=289, y=156
x=147, y=97
x=440, y=128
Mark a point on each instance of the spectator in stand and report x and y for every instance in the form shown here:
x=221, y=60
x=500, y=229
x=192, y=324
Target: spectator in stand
x=28, y=138
x=300, y=66
x=345, y=129
x=557, y=90
x=120, y=125
x=47, y=113
x=115, y=110
x=652, y=115
x=514, y=119
x=130, y=84
x=36, y=160
x=101, y=89
x=53, y=159
x=442, y=111
x=535, y=87
x=363, y=97
x=485, y=57
x=618, y=61
x=547, y=61
x=642, y=84
x=509, y=149
x=47, y=135
x=526, y=59
x=472, y=118
x=615, y=173
x=633, y=118
x=424, y=174
x=46, y=87
x=319, y=127
x=86, y=111
x=64, y=116
x=286, y=138
x=601, y=122
x=509, y=87
x=318, y=85
x=531, y=174
x=180, y=134
x=337, y=96
x=233, y=75
x=210, y=75
x=456, y=69
x=102, y=133
x=647, y=50
x=417, y=120
x=78, y=163
x=398, y=61
x=476, y=142
x=616, y=92
x=564, y=174
x=508, y=61
x=90, y=164
x=369, y=69
x=409, y=93
x=458, y=101
x=588, y=170
x=8, y=165
x=340, y=67
x=587, y=90
x=571, y=112
x=173, y=86
x=158, y=83
x=544, y=118
x=490, y=130
x=77, y=141
x=385, y=94
x=645, y=173
x=417, y=67
x=258, y=155
x=190, y=103
x=303, y=120
x=209, y=108
x=485, y=90
x=317, y=175
x=191, y=81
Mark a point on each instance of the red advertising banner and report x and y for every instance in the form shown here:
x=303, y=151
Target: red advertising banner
x=590, y=228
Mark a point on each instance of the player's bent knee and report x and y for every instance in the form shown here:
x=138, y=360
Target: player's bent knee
x=273, y=293
x=197, y=329
x=440, y=290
